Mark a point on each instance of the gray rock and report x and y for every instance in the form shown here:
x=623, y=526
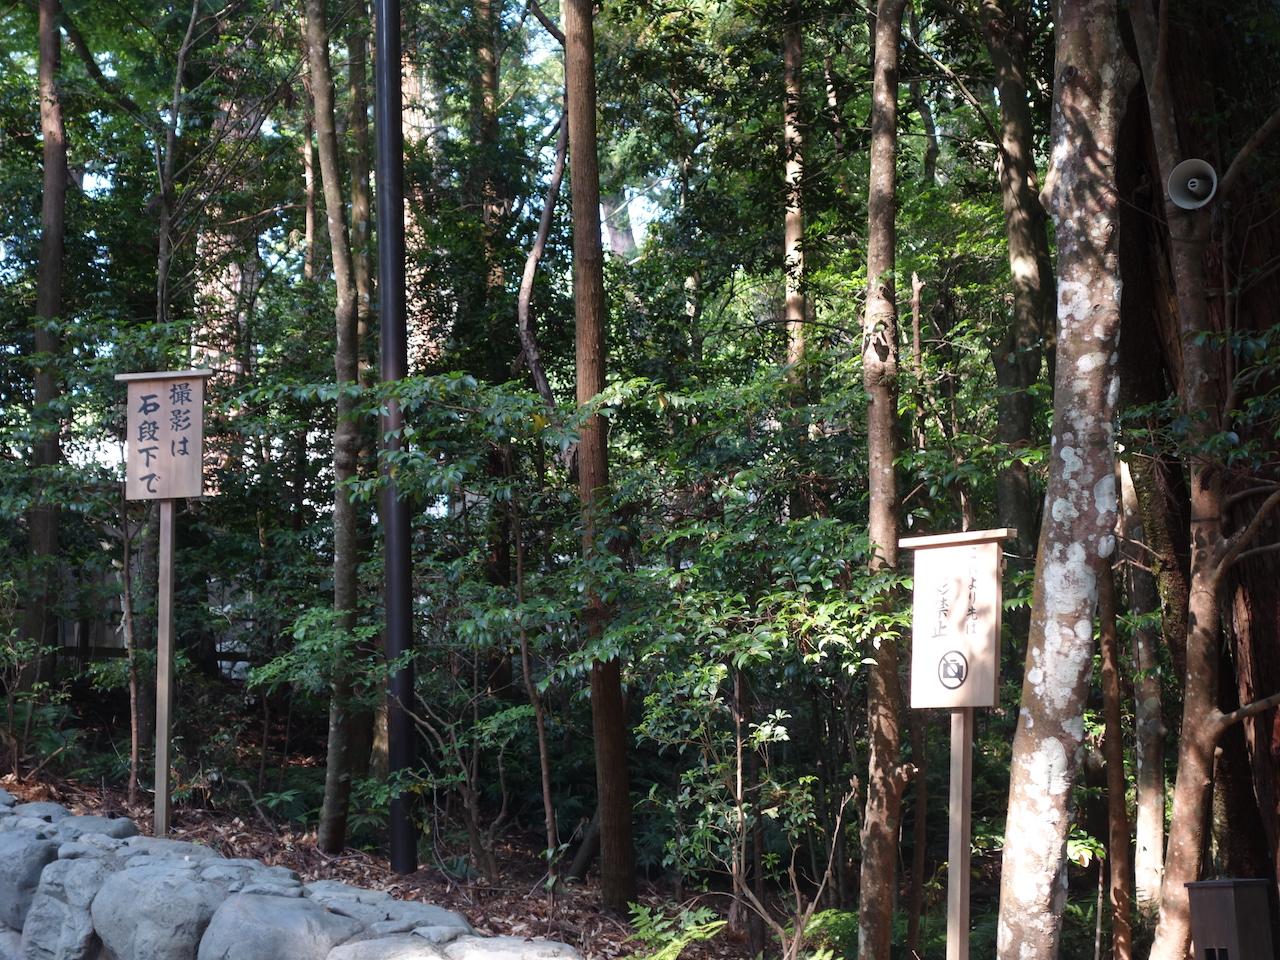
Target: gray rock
x=119, y=827
x=249, y=927
x=273, y=890
x=7, y=799
x=177, y=849
x=59, y=926
x=100, y=842
x=32, y=824
x=10, y=942
x=228, y=871
x=280, y=875
x=78, y=851
x=42, y=810
x=508, y=948
x=387, y=948
x=367, y=913
x=23, y=854
x=389, y=916
x=154, y=911
x=324, y=891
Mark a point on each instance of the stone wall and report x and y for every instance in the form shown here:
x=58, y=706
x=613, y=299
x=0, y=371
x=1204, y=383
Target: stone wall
x=92, y=888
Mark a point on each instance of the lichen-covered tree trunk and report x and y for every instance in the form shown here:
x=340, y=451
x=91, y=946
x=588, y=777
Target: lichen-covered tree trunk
x=880, y=380
x=1077, y=538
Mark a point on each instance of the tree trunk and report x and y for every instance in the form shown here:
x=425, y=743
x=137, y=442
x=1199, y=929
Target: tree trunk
x=1017, y=357
x=880, y=379
x=1203, y=723
x=43, y=516
x=617, y=855
x=1148, y=713
x=346, y=434
x=793, y=221
x=1118, y=860
x=1077, y=538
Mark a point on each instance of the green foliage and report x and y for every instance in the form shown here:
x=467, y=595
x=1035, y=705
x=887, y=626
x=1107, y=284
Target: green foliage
x=668, y=936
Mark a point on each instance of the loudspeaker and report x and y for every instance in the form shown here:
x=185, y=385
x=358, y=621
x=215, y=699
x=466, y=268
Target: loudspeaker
x=1192, y=184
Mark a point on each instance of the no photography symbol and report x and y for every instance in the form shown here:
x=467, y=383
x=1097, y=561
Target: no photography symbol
x=953, y=669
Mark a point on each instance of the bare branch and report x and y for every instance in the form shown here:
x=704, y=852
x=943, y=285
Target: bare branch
x=1235, y=716
x=1242, y=538
x=108, y=86
x=528, y=340
x=1246, y=153
x=964, y=91
x=1258, y=552
x=1231, y=501
x=546, y=21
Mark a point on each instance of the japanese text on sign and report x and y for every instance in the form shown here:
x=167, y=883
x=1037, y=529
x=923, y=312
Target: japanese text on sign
x=955, y=652
x=165, y=438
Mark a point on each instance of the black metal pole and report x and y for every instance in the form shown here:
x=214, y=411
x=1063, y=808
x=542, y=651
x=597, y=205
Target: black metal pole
x=394, y=512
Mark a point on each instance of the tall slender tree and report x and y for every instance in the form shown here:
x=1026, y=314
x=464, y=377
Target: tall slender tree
x=608, y=717
x=346, y=434
x=885, y=776
x=43, y=515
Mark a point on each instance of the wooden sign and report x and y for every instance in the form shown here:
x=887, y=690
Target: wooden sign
x=955, y=640
x=955, y=662
x=165, y=435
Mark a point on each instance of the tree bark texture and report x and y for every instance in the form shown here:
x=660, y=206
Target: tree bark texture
x=1118, y=836
x=880, y=380
x=43, y=516
x=346, y=435
x=1018, y=355
x=1077, y=538
x=793, y=221
x=1148, y=713
x=617, y=856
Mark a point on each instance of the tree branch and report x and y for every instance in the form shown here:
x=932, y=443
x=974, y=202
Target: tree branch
x=964, y=92
x=108, y=86
x=1242, y=538
x=543, y=19
x=528, y=340
x=1235, y=716
x=1246, y=153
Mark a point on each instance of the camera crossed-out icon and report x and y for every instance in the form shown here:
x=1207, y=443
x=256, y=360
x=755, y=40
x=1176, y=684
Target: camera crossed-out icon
x=953, y=669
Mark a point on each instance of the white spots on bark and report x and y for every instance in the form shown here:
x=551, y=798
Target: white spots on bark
x=1104, y=500
x=1073, y=300
x=1071, y=462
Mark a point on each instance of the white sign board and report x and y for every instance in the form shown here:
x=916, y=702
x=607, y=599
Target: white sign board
x=955, y=640
x=165, y=435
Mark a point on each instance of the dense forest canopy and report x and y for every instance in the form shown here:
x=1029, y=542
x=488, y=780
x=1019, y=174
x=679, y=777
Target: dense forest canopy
x=708, y=303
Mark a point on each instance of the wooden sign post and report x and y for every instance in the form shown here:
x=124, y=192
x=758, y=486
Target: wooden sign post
x=165, y=460
x=955, y=663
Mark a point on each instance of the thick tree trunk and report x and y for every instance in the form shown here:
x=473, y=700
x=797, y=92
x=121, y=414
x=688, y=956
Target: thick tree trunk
x=1077, y=538
x=1212, y=553
x=43, y=516
x=346, y=434
x=617, y=855
x=880, y=379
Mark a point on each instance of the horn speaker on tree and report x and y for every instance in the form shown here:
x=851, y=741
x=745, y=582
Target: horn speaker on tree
x=1192, y=184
